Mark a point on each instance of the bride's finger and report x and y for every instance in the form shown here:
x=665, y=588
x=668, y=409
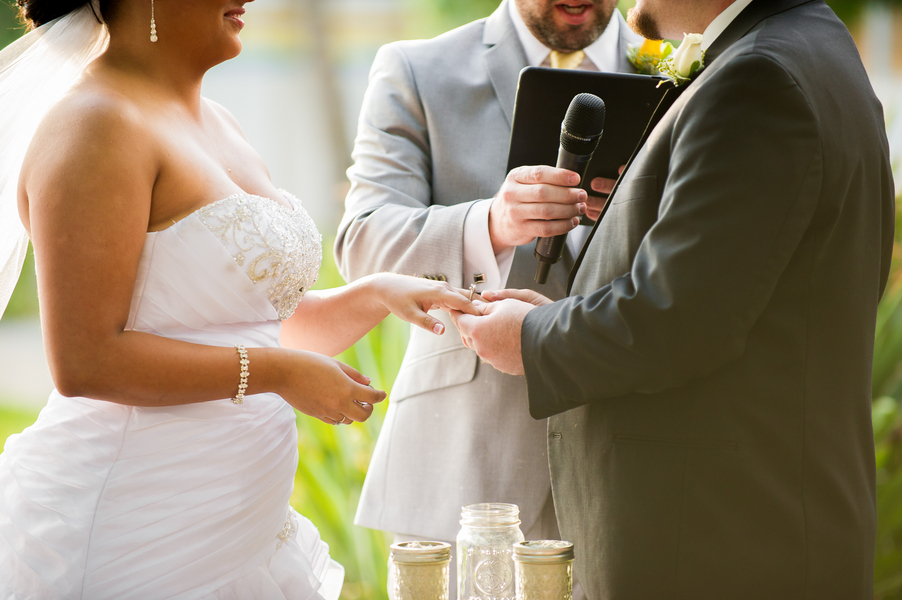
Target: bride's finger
x=354, y=374
x=452, y=299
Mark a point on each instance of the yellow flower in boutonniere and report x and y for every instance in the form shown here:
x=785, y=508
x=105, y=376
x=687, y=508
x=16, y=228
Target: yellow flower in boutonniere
x=683, y=63
x=646, y=56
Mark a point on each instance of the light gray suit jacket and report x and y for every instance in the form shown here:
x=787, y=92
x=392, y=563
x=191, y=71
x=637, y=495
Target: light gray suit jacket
x=433, y=138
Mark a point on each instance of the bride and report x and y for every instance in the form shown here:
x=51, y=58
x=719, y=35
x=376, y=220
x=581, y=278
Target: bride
x=167, y=264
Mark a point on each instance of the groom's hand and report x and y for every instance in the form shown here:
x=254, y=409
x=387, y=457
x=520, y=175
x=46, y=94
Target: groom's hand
x=495, y=336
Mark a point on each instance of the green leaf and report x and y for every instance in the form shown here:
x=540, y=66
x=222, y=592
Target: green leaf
x=666, y=50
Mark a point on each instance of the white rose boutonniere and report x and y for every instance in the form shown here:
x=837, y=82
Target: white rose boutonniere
x=683, y=63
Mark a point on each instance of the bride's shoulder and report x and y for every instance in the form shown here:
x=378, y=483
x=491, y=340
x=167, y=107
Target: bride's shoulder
x=89, y=110
x=92, y=127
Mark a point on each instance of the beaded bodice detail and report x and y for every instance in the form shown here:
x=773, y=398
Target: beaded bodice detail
x=280, y=249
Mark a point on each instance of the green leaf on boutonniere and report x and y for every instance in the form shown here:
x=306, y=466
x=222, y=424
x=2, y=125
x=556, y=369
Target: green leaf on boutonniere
x=645, y=57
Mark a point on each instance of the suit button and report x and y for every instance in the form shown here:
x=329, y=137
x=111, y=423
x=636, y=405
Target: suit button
x=557, y=435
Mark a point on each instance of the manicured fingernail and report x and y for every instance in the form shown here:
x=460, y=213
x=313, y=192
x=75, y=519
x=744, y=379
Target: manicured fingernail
x=574, y=179
x=582, y=208
x=438, y=329
x=575, y=221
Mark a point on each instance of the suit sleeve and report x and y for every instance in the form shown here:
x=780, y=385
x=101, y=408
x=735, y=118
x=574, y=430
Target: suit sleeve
x=390, y=222
x=744, y=179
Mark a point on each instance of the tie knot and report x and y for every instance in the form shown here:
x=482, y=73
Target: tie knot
x=566, y=60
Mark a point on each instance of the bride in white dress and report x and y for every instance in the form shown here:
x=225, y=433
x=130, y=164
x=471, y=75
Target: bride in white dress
x=161, y=245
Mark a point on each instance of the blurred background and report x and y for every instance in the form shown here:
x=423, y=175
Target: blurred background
x=297, y=90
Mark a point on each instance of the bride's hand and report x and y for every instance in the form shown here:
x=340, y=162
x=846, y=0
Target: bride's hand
x=327, y=389
x=411, y=298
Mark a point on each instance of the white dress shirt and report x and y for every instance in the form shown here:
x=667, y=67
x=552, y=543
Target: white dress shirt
x=479, y=257
x=722, y=21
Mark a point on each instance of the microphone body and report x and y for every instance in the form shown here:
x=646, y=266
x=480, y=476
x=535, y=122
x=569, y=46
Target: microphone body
x=550, y=250
x=580, y=133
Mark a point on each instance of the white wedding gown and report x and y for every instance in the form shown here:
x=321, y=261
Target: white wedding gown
x=106, y=501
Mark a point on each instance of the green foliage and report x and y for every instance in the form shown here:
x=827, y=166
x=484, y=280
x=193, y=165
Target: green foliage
x=333, y=461
x=24, y=301
x=454, y=13
x=10, y=27
x=887, y=419
x=14, y=420
x=850, y=10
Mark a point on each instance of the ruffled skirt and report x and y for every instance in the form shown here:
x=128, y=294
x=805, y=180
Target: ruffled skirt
x=104, y=501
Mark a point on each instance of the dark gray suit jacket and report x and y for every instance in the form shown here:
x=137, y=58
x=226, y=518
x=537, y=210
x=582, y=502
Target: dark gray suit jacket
x=710, y=374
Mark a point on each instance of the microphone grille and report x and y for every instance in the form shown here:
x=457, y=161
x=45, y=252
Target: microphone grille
x=585, y=117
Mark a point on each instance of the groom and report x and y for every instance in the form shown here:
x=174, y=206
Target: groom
x=708, y=379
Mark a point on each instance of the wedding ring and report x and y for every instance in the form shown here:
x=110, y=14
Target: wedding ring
x=472, y=290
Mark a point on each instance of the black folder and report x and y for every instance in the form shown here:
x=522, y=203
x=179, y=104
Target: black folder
x=543, y=96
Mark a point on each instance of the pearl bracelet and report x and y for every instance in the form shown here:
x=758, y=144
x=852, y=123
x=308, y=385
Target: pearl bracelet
x=242, y=384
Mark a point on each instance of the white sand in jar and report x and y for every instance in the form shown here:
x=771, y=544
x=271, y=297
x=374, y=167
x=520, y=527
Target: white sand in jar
x=544, y=570
x=420, y=570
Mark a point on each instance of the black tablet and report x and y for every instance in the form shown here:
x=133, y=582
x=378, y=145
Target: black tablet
x=543, y=96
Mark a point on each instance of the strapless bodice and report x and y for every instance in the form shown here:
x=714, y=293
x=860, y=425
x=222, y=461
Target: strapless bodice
x=232, y=269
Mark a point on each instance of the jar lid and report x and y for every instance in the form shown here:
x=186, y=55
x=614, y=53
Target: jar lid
x=543, y=551
x=421, y=552
x=490, y=514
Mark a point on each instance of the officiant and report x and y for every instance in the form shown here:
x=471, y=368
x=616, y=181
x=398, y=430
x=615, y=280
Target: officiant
x=429, y=196
x=708, y=378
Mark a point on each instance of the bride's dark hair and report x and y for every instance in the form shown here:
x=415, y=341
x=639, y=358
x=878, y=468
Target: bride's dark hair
x=35, y=13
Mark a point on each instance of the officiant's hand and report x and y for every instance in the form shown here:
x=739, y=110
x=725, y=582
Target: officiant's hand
x=535, y=202
x=602, y=185
x=495, y=336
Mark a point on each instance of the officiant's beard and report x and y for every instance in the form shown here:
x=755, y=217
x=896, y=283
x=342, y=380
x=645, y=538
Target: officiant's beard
x=539, y=17
x=643, y=23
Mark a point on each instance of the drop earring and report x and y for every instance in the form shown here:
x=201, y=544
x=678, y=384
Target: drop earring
x=153, y=24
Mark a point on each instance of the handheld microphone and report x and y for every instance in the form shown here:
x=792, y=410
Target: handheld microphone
x=580, y=132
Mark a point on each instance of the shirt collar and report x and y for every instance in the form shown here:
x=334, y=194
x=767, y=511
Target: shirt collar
x=722, y=21
x=602, y=52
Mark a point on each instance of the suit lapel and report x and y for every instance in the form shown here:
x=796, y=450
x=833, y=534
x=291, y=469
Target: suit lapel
x=504, y=58
x=665, y=103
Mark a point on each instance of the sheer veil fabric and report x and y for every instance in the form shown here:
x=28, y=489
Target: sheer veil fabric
x=35, y=72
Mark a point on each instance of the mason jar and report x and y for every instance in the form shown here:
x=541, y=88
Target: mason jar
x=485, y=564
x=419, y=571
x=544, y=570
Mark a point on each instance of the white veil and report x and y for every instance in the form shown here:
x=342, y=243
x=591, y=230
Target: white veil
x=35, y=72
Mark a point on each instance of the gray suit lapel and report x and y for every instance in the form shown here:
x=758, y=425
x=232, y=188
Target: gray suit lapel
x=504, y=59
